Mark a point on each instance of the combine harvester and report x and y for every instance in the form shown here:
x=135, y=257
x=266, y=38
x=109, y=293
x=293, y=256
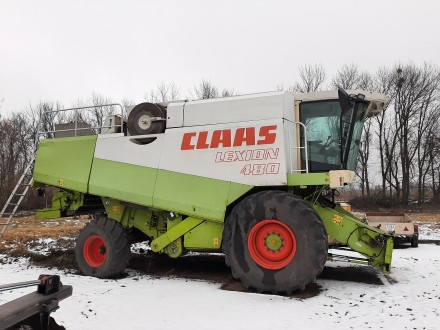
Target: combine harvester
x=252, y=176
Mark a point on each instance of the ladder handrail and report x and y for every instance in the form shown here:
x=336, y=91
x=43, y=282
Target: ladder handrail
x=76, y=118
x=298, y=147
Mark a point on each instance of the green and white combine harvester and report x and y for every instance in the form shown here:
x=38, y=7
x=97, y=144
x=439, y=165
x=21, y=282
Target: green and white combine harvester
x=252, y=176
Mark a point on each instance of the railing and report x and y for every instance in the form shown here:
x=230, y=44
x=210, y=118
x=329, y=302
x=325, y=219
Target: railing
x=77, y=129
x=298, y=147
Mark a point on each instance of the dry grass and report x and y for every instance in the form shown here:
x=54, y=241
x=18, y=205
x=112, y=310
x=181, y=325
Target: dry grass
x=26, y=230
x=425, y=217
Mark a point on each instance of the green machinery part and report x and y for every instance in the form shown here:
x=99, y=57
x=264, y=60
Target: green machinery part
x=63, y=203
x=373, y=243
x=172, y=233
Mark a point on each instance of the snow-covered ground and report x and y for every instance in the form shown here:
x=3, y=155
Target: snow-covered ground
x=409, y=298
x=429, y=231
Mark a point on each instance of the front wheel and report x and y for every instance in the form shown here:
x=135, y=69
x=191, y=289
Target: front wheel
x=102, y=248
x=415, y=241
x=275, y=242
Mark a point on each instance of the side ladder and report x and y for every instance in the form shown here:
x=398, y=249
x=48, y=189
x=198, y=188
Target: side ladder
x=16, y=197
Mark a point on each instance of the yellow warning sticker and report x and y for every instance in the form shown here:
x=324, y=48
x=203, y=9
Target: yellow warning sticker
x=215, y=241
x=61, y=182
x=116, y=209
x=337, y=219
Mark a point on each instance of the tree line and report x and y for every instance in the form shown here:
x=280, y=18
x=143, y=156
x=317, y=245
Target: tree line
x=402, y=144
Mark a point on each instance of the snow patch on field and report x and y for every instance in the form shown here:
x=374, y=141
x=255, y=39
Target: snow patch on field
x=45, y=245
x=429, y=231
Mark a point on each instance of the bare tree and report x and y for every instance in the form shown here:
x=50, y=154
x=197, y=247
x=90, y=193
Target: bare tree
x=383, y=83
x=15, y=151
x=42, y=117
x=312, y=78
x=364, y=159
x=417, y=88
x=205, y=90
x=228, y=92
x=434, y=156
x=164, y=92
x=405, y=133
x=99, y=112
x=95, y=115
x=347, y=77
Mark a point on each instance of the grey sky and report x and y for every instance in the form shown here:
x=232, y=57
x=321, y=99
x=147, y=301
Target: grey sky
x=65, y=50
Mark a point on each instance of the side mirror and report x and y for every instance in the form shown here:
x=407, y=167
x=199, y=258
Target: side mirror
x=344, y=100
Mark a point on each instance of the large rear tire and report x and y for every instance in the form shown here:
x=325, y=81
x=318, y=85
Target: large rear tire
x=274, y=242
x=102, y=248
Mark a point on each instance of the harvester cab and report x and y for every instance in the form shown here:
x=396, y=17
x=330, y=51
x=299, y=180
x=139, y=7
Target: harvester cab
x=249, y=176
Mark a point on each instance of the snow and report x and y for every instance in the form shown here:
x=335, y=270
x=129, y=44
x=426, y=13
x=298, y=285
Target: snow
x=429, y=231
x=408, y=298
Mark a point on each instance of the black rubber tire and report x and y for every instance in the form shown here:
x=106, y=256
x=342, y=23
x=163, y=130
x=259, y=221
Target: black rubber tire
x=415, y=241
x=303, y=221
x=150, y=110
x=117, y=248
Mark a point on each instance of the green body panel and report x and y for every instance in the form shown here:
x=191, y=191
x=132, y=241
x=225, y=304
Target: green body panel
x=237, y=190
x=373, y=243
x=308, y=179
x=194, y=195
x=65, y=162
x=130, y=183
x=208, y=235
x=181, y=193
x=62, y=201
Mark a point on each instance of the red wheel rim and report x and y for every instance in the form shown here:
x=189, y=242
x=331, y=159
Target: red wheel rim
x=271, y=244
x=94, y=251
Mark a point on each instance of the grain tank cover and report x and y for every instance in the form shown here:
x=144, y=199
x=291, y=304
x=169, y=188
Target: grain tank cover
x=243, y=108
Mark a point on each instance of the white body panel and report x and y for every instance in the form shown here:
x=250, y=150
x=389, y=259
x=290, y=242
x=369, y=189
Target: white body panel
x=124, y=149
x=254, y=164
x=262, y=106
x=244, y=139
x=273, y=105
x=175, y=114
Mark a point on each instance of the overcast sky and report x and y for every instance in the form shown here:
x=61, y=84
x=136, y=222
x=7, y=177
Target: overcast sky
x=65, y=50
